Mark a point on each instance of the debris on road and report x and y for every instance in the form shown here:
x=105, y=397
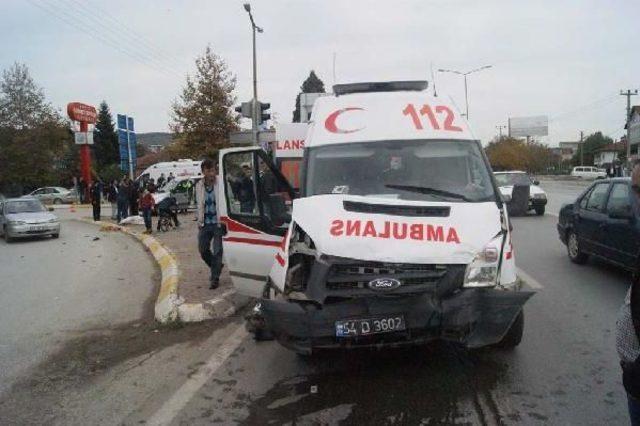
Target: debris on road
x=132, y=220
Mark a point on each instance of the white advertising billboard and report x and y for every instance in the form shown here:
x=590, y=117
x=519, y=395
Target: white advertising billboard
x=290, y=139
x=520, y=127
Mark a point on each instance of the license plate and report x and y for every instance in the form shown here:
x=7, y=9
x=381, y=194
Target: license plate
x=38, y=228
x=365, y=327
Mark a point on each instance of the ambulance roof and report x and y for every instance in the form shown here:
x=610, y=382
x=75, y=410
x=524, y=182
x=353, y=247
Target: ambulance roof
x=385, y=115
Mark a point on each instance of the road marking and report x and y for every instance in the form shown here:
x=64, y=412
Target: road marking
x=172, y=407
x=529, y=280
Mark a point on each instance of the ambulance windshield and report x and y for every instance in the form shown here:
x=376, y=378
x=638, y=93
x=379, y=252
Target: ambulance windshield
x=424, y=170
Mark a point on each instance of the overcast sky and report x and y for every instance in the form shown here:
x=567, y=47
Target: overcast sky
x=564, y=59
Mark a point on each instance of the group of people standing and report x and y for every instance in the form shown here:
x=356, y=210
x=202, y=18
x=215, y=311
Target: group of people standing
x=124, y=197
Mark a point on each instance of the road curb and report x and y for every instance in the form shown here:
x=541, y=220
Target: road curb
x=76, y=206
x=170, y=307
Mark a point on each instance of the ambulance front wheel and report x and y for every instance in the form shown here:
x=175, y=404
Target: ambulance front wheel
x=514, y=335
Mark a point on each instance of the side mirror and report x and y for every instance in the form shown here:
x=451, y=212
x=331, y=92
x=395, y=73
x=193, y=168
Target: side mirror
x=621, y=214
x=278, y=209
x=536, y=182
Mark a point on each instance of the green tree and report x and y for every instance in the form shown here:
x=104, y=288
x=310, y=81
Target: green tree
x=33, y=136
x=22, y=102
x=202, y=117
x=311, y=85
x=105, y=140
x=590, y=144
x=508, y=153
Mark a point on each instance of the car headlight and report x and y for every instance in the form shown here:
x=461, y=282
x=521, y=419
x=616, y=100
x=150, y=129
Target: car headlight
x=483, y=270
x=53, y=220
x=17, y=222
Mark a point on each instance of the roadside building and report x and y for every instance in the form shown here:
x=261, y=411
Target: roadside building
x=607, y=156
x=634, y=132
x=568, y=149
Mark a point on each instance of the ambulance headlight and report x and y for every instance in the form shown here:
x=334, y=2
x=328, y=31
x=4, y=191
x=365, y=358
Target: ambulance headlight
x=483, y=271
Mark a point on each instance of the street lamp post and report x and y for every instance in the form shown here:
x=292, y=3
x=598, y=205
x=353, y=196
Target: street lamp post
x=254, y=103
x=465, y=74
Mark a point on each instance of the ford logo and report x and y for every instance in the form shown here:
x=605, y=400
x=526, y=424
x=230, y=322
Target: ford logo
x=384, y=284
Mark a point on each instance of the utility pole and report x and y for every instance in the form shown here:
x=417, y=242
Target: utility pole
x=581, y=149
x=465, y=74
x=466, y=98
x=628, y=93
x=500, y=130
x=255, y=107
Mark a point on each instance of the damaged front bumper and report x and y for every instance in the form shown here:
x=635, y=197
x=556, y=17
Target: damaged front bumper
x=471, y=317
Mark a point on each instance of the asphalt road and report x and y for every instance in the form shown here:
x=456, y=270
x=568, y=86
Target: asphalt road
x=54, y=290
x=564, y=372
x=562, y=192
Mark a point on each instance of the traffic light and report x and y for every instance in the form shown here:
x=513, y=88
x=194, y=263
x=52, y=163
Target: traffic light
x=245, y=110
x=263, y=114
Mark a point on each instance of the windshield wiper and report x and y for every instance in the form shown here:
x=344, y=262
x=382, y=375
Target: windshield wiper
x=427, y=190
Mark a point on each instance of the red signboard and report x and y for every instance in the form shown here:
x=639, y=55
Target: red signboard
x=82, y=112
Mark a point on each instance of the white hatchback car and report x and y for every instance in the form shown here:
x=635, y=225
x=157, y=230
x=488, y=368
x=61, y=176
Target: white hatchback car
x=537, y=196
x=588, y=172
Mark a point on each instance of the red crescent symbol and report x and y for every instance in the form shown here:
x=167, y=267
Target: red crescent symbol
x=330, y=122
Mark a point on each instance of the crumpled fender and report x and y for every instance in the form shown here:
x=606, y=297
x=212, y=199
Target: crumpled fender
x=489, y=313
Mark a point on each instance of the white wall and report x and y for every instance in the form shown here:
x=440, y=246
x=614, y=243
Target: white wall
x=605, y=157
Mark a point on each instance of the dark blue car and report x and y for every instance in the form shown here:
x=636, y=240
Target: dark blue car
x=603, y=222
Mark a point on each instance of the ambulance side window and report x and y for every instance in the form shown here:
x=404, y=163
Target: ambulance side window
x=257, y=193
x=274, y=194
x=240, y=183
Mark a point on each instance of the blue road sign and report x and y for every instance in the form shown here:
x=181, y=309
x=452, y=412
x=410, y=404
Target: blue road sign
x=122, y=121
x=127, y=142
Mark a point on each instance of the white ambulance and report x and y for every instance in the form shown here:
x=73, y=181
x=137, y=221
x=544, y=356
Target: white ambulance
x=399, y=235
x=180, y=169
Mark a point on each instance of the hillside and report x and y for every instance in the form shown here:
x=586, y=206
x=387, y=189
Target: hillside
x=154, y=138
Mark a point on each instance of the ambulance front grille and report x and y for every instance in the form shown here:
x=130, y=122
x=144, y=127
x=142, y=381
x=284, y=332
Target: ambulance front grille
x=356, y=276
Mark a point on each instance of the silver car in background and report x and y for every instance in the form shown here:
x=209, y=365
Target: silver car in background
x=26, y=217
x=54, y=195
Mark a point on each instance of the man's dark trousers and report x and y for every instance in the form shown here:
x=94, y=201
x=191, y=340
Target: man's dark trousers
x=96, y=211
x=123, y=209
x=210, y=247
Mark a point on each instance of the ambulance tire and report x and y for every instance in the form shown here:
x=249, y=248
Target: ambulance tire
x=262, y=335
x=254, y=324
x=514, y=335
x=307, y=356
